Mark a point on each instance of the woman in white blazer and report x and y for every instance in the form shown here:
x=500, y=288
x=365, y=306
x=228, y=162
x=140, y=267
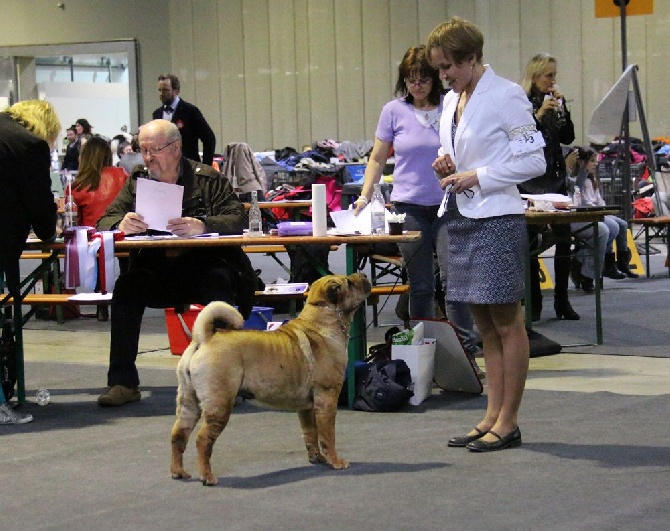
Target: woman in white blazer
x=489, y=144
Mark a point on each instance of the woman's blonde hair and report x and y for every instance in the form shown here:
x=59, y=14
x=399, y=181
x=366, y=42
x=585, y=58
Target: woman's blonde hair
x=536, y=67
x=95, y=155
x=37, y=116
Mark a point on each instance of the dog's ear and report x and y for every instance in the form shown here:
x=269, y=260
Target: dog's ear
x=334, y=291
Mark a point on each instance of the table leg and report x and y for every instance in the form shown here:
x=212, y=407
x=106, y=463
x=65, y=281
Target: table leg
x=646, y=248
x=528, y=307
x=357, y=338
x=598, y=275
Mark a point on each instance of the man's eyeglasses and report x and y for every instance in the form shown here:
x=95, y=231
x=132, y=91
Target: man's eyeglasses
x=152, y=152
x=421, y=82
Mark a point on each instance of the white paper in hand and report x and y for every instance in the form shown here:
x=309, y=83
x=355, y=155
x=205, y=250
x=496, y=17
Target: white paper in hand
x=158, y=202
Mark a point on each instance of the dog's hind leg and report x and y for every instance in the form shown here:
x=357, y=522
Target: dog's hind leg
x=310, y=436
x=325, y=410
x=215, y=421
x=188, y=413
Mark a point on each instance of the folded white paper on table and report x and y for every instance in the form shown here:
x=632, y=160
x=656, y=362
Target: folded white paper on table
x=347, y=223
x=280, y=289
x=158, y=202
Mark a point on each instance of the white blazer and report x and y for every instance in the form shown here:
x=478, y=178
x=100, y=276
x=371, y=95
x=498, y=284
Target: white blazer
x=496, y=136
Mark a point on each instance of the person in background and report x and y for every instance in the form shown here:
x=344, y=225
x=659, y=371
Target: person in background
x=612, y=228
x=188, y=119
x=95, y=187
x=83, y=131
x=28, y=132
x=159, y=279
x=409, y=126
x=553, y=119
x=130, y=156
x=489, y=145
x=71, y=158
x=97, y=183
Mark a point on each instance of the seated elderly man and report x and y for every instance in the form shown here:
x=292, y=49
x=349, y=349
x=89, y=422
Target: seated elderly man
x=158, y=280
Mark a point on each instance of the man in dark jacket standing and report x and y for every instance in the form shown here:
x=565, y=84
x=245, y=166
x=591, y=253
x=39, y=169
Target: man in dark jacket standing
x=28, y=130
x=188, y=119
x=157, y=279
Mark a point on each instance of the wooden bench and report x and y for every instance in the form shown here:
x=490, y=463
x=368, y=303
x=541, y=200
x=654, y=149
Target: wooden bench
x=660, y=226
x=37, y=299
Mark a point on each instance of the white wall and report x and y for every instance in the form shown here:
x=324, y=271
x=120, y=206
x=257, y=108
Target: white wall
x=104, y=105
x=277, y=73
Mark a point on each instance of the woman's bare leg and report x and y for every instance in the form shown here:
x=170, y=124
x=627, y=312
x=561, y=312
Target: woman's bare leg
x=509, y=363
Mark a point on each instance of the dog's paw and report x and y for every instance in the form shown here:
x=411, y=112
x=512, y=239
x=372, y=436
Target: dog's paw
x=209, y=480
x=180, y=474
x=317, y=458
x=339, y=464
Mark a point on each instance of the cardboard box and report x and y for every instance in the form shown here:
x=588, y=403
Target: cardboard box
x=421, y=360
x=179, y=330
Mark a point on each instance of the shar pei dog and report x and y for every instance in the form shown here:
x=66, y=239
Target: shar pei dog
x=299, y=367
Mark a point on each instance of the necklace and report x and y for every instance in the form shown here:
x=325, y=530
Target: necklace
x=428, y=118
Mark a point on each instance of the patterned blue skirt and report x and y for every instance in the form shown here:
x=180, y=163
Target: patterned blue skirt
x=486, y=257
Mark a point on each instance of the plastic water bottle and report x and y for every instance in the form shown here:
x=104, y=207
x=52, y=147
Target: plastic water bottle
x=69, y=214
x=378, y=211
x=255, y=220
x=577, y=197
x=43, y=396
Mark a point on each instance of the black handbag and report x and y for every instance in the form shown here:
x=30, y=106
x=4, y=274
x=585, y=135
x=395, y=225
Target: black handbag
x=386, y=388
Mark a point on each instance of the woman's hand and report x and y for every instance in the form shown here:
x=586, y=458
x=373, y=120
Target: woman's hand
x=444, y=166
x=460, y=182
x=548, y=105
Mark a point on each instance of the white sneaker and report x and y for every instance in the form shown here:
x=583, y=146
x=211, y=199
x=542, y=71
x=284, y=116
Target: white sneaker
x=9, y=416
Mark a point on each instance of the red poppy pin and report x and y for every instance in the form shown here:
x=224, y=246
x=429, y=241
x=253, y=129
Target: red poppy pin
x=180, y=124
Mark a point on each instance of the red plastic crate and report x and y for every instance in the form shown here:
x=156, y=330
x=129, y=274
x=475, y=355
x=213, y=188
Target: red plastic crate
x=180, y=339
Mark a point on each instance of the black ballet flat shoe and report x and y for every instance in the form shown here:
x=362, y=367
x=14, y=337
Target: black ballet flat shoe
x=462, y=440
x=511, y=440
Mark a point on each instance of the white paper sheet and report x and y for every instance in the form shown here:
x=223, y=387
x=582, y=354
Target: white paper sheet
x=158, y=202
x=347, y=223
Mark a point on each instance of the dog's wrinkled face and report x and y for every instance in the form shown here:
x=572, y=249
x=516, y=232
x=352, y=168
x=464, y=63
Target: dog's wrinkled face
x=344, y=292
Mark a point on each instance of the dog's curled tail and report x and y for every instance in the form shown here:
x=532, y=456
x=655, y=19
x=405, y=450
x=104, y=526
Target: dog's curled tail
x=206, y=322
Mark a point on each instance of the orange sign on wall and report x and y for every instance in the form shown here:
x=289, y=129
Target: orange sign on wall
x=606, y=8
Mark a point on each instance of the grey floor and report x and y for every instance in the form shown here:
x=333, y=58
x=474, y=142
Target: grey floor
x=596, y=452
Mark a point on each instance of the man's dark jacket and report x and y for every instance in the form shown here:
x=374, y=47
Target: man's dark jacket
x=192, y=126
x=209, y=197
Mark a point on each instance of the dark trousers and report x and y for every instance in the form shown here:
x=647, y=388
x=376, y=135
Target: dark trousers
x=173, y=284
x=562, y=238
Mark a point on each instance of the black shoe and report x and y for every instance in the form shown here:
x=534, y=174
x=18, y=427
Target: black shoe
x=564, y=310
x=610, y=269
x=462, y=440
x=511, y=440
x=626, y=271
x=587, y=285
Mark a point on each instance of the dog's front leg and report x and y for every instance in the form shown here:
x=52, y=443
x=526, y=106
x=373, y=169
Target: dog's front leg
x=325, y=410
x=310, y=436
